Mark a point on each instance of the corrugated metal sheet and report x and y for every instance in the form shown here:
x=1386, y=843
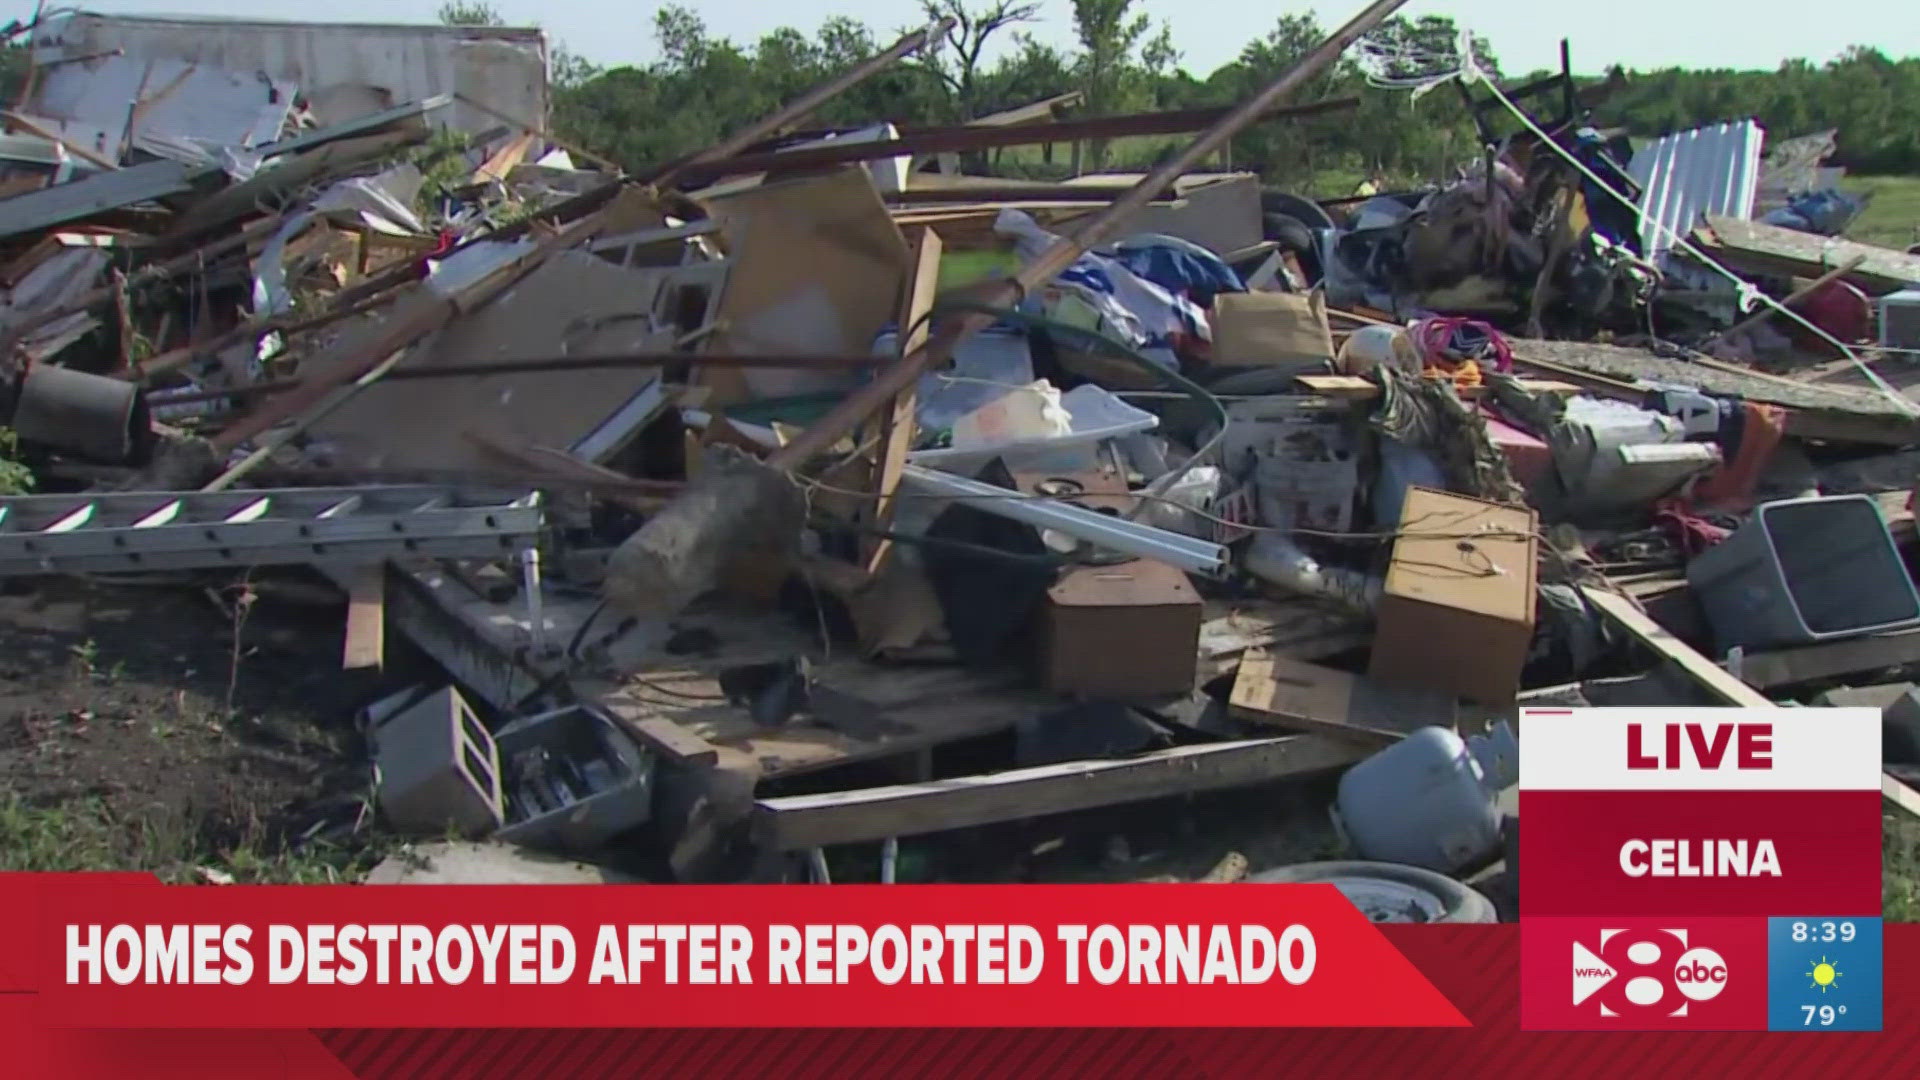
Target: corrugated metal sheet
x=345, y=70
x=1709, y=170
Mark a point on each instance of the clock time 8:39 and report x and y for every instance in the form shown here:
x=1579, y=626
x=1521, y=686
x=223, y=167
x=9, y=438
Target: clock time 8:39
x=1827, y=931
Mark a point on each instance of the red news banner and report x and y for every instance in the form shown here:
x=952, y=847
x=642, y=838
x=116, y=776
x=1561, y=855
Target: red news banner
x=612, y=956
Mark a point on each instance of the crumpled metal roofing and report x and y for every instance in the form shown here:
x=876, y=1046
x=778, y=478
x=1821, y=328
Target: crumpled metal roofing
x=345, y=70
x=1708, y=170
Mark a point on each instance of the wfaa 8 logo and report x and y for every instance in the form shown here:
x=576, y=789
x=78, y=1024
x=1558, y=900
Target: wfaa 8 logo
x=1643, y=974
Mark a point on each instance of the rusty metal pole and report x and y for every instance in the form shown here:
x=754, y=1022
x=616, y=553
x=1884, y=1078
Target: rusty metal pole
x=803, y=106
x=680, y=553
x=846, y=416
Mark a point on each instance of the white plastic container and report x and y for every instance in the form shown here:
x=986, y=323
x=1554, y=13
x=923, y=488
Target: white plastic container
x=1429, y=800
x=1031, y=413
x=1096, y=414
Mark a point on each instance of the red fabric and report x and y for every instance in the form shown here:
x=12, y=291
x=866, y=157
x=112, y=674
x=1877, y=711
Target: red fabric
x=1732, y=483
x=1693, y=535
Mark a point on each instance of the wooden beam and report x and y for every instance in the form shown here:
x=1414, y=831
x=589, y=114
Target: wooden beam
x=1360, y=388
x=844, y=817
x=897, y=423
x=1708, y=675
x=366, y=618
x=671, y=740
x=1289, y=693
x=1830, y=660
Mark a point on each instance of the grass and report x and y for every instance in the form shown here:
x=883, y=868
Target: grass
x=1900, y=873
x=1892, y=219
x=83, y=835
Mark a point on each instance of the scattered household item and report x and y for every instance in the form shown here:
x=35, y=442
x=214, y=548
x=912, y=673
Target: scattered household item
x=1257, y=329
x=1093, y=415
x=437, y=768
x=1430, y=799
x=1457, y=610
x=104, y=419
x=1124, y=632
x=572, y=781
x=1372, y=346
x=1899, y=320
x=1804, y=570
x=1302, y=460
x=1030, y=413
x=1613, y=456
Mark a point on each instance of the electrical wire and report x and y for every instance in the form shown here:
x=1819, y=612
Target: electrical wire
x=1471, y=73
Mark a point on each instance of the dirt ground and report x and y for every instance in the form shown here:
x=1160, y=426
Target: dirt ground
x=133, y=734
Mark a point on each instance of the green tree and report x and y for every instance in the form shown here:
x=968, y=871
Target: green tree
x=955, y=59
x=457, y=13
x=1117, y=62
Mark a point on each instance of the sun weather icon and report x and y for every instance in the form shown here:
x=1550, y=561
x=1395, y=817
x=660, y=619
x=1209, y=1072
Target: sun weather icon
x=1824, y=975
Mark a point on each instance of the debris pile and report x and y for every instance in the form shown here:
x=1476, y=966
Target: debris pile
x=792, y=497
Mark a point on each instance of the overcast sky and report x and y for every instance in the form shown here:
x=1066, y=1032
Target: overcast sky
x=1525, y=34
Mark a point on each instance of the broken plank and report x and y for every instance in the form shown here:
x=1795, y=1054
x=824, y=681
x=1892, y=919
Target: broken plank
x=897, y=423
x=674, y=742
x=808, y=821
x=1756, y=247
x=1709, y=676
x=1831, y=659
x=366, y=618
x=1360, y=388
x=1302, y=629
x=1278, y=690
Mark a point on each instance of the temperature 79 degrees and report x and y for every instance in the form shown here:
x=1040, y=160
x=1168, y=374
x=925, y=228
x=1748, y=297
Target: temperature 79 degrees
x=1825, y=1014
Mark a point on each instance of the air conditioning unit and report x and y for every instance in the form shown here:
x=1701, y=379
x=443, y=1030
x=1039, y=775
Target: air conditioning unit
x=1900, y=320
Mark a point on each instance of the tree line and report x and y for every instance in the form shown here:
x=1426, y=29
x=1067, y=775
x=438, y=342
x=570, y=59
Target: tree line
x=703, y=86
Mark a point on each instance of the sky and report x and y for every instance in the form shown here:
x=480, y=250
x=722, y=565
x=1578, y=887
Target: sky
x=1524, y=34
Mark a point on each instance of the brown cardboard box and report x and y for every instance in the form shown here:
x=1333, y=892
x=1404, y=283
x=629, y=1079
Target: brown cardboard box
x=1271, y=328
x=1124, y=632
x=1457, y=611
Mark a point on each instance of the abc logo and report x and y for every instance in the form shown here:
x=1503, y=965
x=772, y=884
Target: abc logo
x=1649, y=969
x=1700, y=975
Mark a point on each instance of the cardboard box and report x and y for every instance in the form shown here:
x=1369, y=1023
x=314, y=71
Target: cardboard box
x=1457, y=611
x=1121, y=632
x=1262, y=328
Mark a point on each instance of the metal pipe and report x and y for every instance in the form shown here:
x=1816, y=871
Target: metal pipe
x=542, y=365
x=801, y=107
x=855, y=408
x=1103, y=530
